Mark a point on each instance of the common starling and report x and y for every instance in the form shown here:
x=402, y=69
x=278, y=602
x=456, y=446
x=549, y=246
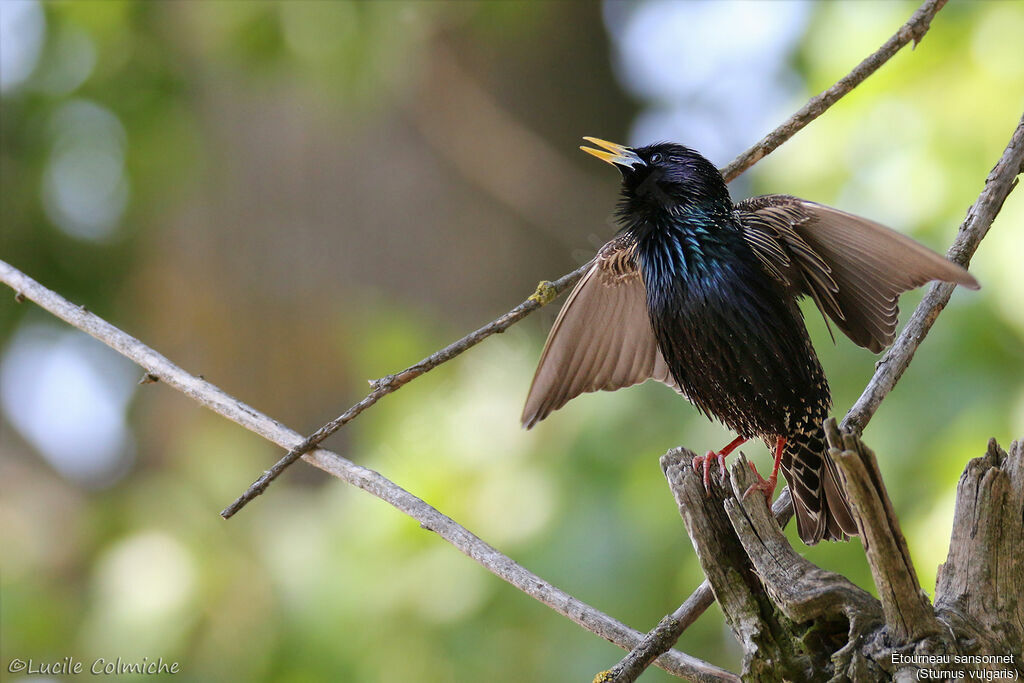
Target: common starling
x=701, y=294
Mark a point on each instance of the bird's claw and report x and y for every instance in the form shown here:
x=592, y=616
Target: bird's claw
x=704, y=461
x=765, y=486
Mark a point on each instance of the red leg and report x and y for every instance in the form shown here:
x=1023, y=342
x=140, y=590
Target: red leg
x=705, y=460
x=767, y=486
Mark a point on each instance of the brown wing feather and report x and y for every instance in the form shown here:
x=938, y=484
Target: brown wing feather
x=602, y=338
x=862, y=267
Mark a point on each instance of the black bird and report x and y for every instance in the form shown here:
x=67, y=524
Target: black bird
x=700, y=293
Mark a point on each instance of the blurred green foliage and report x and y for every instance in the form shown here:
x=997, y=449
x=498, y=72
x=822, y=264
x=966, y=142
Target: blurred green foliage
x=316, y=581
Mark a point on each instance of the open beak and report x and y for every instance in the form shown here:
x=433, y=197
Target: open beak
x=618, y=155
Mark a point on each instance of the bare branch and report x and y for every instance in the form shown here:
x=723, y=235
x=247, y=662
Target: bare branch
x=915, y=28
x=159, y=367
x=545, y=293
x=765, y=588
x=1000, y=182
x=798, y=622
x=664, y=636
x=799, y=588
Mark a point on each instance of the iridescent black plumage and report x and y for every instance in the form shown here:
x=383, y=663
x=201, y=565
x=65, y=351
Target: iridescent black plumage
x=719, y=284
x=730, y=334
x=732, y=338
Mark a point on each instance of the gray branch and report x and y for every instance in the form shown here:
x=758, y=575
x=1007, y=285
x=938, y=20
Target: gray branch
x=747, y=608
x=159, y=367
x=545, y=293
x=913, y=30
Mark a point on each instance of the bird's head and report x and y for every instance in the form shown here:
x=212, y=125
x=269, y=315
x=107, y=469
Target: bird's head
x=664, y=179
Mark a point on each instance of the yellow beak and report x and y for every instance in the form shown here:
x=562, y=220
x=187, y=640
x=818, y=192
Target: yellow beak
x=613, y=153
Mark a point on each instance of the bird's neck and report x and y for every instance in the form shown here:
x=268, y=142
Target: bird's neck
x=687, y=242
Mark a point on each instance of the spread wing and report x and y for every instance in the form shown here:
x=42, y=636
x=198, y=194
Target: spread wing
x=854, y=269
x=602, y=338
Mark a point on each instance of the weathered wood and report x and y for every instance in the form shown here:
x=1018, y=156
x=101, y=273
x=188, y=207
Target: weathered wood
x=980, y=587
x=830, y=611
x=801, y=589
x=798, y=622
x=671, y=626
x=908, y=612
x=776, y=647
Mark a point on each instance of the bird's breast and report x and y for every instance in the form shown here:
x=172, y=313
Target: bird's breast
x=733, y=339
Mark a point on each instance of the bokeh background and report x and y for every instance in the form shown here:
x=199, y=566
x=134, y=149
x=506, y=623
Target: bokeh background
x=291, y=198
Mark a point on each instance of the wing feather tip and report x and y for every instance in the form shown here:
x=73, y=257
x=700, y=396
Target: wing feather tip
x=968, y=281
x=531, y=416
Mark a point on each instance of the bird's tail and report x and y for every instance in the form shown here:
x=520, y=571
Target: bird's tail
x=819, y=502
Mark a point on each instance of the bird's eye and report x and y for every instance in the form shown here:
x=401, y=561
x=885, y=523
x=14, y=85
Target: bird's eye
x=656, y=157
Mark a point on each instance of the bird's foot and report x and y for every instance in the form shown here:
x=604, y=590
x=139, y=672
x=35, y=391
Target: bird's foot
x=764, y=486
x=704, y=461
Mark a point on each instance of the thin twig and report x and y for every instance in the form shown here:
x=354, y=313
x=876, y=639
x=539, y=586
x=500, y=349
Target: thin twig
x=915, y=28
x=664, y=636
x=205, y=393
x=546, y=292
x=888, y=370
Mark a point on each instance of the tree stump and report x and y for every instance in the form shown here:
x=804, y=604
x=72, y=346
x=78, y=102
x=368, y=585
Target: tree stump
x=797, y=622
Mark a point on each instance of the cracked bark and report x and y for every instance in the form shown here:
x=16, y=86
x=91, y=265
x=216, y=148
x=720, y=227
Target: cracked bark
x=798, y=622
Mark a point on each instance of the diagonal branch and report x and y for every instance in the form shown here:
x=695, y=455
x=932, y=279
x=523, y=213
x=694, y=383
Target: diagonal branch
x=663, y=637
x=546, y=292
x=914, y=29
x=998, y=185
x=158, y=367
